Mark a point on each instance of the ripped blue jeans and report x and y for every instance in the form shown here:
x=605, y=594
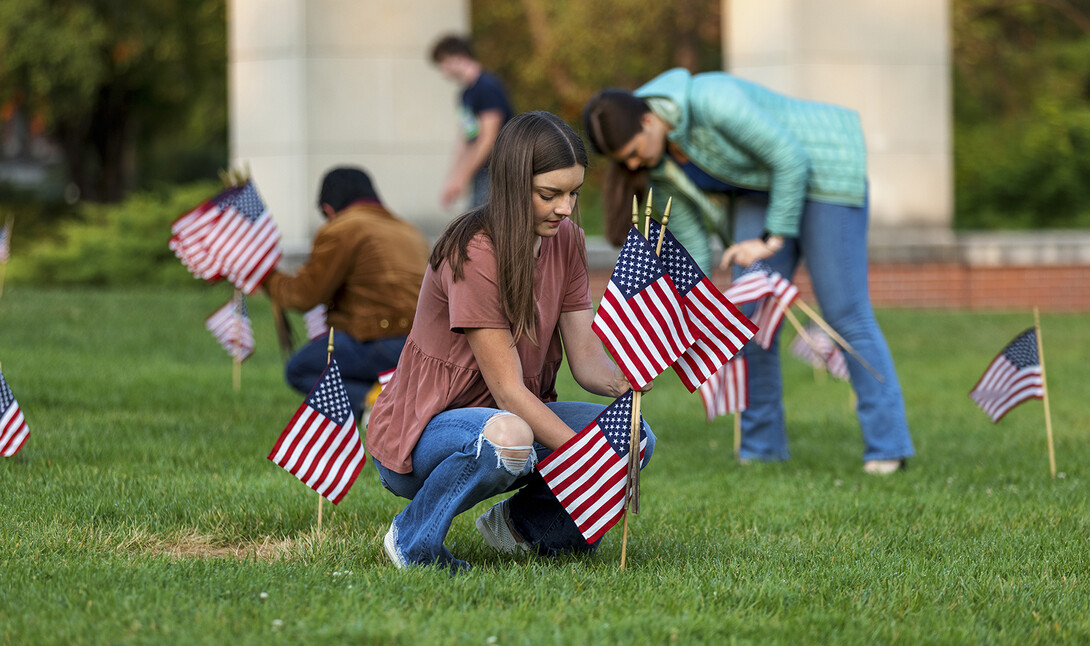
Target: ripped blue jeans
x=455, y=467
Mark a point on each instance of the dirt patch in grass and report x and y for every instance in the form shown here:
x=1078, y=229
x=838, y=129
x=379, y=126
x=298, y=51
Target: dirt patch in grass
x=196, y=545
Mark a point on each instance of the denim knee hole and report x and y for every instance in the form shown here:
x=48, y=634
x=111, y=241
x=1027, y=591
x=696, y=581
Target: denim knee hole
x=513, y=459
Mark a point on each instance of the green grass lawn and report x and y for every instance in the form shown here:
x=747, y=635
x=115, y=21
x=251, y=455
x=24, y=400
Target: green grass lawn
x=143, y=510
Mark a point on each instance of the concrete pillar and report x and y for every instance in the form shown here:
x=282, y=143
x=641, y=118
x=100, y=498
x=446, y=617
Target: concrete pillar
x=319, y=83
x=888, y=59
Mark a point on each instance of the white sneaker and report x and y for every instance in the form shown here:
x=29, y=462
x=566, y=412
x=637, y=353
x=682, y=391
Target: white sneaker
x=883, y=467
x=392, y=550
x=495, y=529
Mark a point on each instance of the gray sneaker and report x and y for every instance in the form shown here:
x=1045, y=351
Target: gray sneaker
x=392, y=550
x=495, y=529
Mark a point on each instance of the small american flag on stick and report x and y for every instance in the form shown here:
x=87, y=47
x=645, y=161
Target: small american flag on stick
x=230, y=236
x=1014, y=376
x=13, y=429
x=589, y=473
x=720, y=329
x=231, y=327
x=641, y=319
x=321, y=444
x=773, y=293
x=825, y=355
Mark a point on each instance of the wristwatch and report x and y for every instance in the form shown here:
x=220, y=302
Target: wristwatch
x=772, y=241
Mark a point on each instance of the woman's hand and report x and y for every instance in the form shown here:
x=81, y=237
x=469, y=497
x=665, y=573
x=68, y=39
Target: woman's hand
x=621, y=386
x=747, y=252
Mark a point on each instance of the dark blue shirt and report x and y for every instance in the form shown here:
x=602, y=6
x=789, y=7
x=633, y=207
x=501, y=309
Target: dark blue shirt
x=486, y=94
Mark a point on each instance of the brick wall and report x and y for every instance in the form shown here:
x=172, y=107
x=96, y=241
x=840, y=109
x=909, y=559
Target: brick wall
x=951, y=285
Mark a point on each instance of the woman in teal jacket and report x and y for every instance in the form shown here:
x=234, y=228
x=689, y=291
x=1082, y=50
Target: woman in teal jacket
x=793, y=175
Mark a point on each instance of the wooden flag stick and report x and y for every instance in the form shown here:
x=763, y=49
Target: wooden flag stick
x=809, y=311
x=632, y=484
x=283, y=330
x=328, y=360
x=632, y=487
x=628, y=483
x=662, y=229
x=738, y=435
x=1044, y=392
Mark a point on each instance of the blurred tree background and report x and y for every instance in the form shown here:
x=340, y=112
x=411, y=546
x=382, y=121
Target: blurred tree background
x=127, y=100
x=134, y=92
x=1021, y=113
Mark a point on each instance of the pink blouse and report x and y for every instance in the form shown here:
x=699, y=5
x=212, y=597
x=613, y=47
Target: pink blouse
x=437, y=370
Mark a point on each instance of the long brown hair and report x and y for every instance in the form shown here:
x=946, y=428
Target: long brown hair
x=612, y=118
x=530, y=144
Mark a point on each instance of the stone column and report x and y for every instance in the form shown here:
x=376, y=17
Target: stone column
x=888, y=59
x=319, y=83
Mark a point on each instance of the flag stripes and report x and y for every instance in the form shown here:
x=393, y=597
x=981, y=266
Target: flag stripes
x=772, y=308
x=726, y=391
x=1011, y=378
x=231, y=235
x=719, y=329
x=825, y=353
x=231, y=327
x=13, y=427
x=589, y=473
x=321, y=444
x=646, y=334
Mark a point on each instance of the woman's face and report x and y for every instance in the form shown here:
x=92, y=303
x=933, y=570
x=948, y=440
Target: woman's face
x=554, y=198
x=645, y=149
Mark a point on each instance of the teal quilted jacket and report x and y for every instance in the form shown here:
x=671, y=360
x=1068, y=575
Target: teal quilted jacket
x=751, y=137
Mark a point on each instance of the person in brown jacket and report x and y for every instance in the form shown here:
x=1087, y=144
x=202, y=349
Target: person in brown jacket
x=365, y=266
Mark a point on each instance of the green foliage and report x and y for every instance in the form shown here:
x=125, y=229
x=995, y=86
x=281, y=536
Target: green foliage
x=1021, y=114
x=119, y=244
x=120, y=84
x=554, y=55
x=142, y=509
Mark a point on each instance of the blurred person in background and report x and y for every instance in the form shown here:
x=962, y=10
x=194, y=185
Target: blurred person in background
x=365, y=266
x=483, y=109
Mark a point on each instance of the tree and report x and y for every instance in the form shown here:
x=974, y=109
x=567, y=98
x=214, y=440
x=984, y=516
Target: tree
x=116, y=81
x=1021, y=113
x=553, y=54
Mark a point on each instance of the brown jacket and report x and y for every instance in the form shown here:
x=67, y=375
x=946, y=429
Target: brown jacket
x=366, y=266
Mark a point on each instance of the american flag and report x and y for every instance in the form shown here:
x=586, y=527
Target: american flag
x=13, y=428
x=825, y=354
x=231, y=236
x=230, y=325
x=720, y=329
x=589, y=473
x=315, y=323
x=1012, y=377
x=385, y=376
x=752, y=284
x=641, y=319
x=773, y=294
x=321, y=444
x=190, y=231
x=726, y=391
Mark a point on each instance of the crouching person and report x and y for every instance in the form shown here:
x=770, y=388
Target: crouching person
x=471, y=407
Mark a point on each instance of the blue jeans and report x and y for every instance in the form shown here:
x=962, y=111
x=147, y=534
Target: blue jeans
x=455, y=467
x=479, y=187
x=833, y=243
x=359, y=363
